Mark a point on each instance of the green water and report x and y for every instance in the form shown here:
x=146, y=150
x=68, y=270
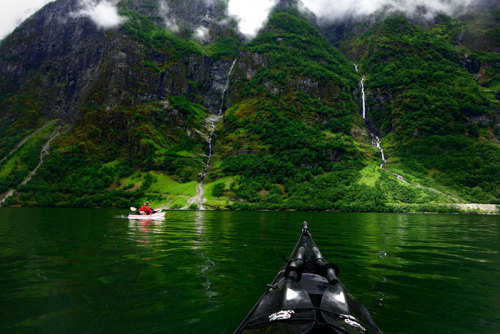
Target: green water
x=92, y=271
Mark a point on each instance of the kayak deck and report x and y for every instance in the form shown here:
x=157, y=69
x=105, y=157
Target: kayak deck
x=307, y=297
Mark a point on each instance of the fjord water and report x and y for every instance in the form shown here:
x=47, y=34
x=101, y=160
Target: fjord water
x=93, y=271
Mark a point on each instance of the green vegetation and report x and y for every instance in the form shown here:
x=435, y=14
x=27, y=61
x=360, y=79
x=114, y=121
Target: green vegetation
x=295, y=136
x=440, y=120
x=218, y=189
x=94, y=164
x=91, y=185
x=145, y=31
x=195, y=113
x=430, y=92
x=166, y=192
x=161, y=40
x=226, y=47
x=20, y=114
x=292, y=137
x=457, y=160
x=218, y=193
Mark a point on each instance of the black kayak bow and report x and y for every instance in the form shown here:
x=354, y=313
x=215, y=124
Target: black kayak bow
x=307, y=297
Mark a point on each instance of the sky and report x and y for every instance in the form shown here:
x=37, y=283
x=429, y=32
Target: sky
x=14, y=12
x=251, y=15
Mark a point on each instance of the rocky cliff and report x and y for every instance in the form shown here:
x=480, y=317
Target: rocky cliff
x=66, y=62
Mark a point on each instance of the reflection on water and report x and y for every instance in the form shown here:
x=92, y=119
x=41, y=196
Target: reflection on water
x=87, y=271
x=146, y=226
x=147, y=233
x=155, y=235
x=206, y=263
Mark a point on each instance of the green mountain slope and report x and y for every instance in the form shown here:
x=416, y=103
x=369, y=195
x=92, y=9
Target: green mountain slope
x=441, y=124
x=291, y=120
x=294, y=137
x=143, y=110
x=140, y=102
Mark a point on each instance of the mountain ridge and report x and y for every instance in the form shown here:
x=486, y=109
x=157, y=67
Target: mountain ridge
x=292, y=136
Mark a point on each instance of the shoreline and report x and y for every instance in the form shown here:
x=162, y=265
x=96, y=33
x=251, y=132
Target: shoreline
x=464, y=208
x=447, y=209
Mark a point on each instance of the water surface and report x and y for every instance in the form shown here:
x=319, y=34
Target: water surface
x=93, y=271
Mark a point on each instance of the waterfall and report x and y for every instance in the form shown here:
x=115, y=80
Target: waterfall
x=363, y=94
x=376, y=143
x=212, y=122
x=226, y=87
x=362, y=85
x=375, y=139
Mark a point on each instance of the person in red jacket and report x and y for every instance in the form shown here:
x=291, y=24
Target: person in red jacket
x=146, y=209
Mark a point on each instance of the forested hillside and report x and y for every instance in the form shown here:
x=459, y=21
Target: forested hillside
x=287, y=136
x=435, y=103
x=131, y=112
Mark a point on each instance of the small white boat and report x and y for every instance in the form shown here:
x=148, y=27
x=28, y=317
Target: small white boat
x=157, y=215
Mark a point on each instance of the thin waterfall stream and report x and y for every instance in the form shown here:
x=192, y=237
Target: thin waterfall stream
x=212, y=122
x=376, y=142
x=362, y=83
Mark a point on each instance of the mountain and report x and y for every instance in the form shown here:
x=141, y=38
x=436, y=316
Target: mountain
x=175, y=105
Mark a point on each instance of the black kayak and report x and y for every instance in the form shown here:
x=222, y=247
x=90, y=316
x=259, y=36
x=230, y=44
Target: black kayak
x=307, y=297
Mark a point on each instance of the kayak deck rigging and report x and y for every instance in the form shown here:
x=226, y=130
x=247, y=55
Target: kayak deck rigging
x=307, y=297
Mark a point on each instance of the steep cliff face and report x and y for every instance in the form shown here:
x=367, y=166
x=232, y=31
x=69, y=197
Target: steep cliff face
x=46, y=67
x=58, y=65
x=56, y=58
x=140, y=99
x=65, y=61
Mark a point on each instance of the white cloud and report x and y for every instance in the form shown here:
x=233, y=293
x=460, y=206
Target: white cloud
x=13, y=13
x=170, y=22
x=104, y=13
x=201, y=34
x=328, y=10
x=251, y=15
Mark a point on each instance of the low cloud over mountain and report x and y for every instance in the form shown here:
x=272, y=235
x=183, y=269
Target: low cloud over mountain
x=328, y=11
x=103, y=13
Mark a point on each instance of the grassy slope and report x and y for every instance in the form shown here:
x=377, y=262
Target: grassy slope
x=16, y=166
